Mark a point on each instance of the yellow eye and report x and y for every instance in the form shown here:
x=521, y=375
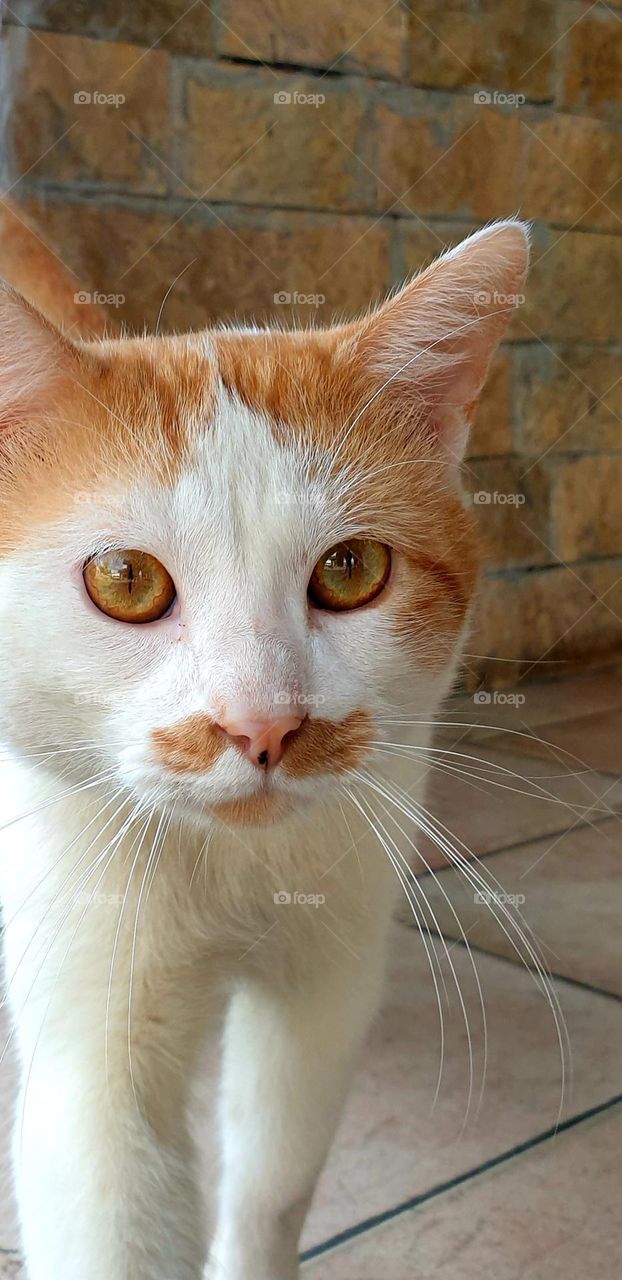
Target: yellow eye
x=350, y=574
x=130, y=586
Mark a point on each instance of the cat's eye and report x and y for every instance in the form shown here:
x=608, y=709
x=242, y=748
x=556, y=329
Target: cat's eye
x=131, y=586
x=350, y=574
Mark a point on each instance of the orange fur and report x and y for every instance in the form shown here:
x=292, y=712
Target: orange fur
x=39, y=273
x=115, y=404
x=328, y=746
x=137, y=402
x=133, y=399
x=256, y=810
x=313, y=383
x=190, y=747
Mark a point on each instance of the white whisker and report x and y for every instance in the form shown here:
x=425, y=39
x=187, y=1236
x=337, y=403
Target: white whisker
x=437, y=881
x=468, y=867
x=428, y=946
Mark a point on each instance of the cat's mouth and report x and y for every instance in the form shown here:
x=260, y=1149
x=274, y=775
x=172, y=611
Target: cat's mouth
x=195, y=752
x=263, y=806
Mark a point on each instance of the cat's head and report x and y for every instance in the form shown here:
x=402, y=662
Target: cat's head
x=225, y=557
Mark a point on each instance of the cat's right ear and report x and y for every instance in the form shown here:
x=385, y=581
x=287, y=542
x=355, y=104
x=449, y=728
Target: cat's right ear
x=36, y=359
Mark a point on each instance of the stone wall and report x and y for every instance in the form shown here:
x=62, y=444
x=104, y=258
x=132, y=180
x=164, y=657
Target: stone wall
x=299, y=157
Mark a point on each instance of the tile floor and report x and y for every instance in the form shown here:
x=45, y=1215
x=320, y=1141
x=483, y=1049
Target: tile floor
x=519, y=1179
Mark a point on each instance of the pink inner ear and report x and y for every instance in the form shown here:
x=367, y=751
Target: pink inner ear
x=33, y=358
x=432, y=344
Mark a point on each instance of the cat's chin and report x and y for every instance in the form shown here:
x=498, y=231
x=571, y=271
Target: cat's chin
x=259, y=809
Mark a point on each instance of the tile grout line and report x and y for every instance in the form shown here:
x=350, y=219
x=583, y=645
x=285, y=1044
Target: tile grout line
x=379, y=1219
x=519, y=844
x=508, y=748
x=414, y=1202
x=494, y=955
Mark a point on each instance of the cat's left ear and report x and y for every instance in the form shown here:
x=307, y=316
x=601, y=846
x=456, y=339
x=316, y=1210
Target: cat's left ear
x=429, y=347
x=35, y=359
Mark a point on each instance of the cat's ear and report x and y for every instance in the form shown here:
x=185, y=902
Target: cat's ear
x=429, y=347
x=35, y=359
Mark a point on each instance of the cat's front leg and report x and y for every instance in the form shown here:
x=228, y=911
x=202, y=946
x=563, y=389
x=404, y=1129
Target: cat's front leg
x=104, y=1166
x=289, y=1054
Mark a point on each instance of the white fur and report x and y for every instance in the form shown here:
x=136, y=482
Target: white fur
x=105, y=1179
x=135, y=922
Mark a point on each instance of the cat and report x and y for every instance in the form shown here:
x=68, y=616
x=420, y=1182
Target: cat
x=234, y=565
x=35, y=267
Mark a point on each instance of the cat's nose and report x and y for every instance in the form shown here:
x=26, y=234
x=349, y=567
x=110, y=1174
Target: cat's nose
x=263, y=741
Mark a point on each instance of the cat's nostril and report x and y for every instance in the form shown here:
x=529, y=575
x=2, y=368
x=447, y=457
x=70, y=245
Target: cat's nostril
x=263, y=741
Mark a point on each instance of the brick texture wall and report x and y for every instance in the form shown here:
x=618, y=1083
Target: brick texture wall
x=299, y=157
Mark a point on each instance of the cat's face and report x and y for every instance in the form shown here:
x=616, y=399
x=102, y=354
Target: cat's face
x=225, y=558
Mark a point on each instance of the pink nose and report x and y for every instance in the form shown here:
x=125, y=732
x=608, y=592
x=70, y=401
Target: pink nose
x=261, y=740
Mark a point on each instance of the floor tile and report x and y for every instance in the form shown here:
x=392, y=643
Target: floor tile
x=572, y=891
x=530, y=707
x=551, y=1213
x=394, y=1143
x=489, y=799
x=588, y=742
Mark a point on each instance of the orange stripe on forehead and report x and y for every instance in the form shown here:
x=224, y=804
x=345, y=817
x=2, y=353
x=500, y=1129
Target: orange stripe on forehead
x=312, y=385
x=296, y=378
x=116, y=409
x=155, y=390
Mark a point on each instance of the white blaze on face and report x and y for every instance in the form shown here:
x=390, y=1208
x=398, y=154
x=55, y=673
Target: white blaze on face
x=239, y=528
